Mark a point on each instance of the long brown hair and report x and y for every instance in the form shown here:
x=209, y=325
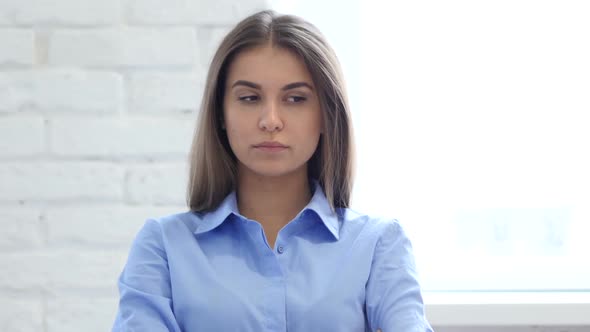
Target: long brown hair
x=213, y=165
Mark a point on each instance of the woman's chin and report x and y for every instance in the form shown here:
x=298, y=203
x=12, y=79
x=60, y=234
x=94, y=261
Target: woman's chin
x=276, y=171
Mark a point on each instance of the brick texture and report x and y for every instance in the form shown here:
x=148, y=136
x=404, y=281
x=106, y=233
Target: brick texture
x=98, y=105
x=61, y=90
x=121, y=137
x=124, y=47
x=60, y=12
x=163, y=92
x=22, y=229
x=27, y=136
x=60, y=181
x=163, y=184
x=17, y=47
x=68, y=314
x=190, y=11
x=21, y=315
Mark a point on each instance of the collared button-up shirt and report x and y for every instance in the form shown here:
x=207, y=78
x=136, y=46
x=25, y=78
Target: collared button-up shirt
x=214, y=271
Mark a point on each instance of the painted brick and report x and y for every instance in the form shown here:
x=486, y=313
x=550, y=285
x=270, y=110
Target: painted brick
x=56, y=181
x=99, y=226
x=165, y=92
x=69, y=314
x=63, y=270
x=208, y=39
x=191, y=11
x=21, y=136
x=67, y=218
x=22, y=228
x=61, y=90
x=18, y=47
x=137, y=137
x=163, y=184
x=18, y=315
x=60, y=12
x=131, y=47
x=16, y=91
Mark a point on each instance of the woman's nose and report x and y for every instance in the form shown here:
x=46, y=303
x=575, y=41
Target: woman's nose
x=270, y=119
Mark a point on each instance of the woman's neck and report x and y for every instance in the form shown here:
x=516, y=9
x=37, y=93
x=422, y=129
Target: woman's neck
x=272, y=201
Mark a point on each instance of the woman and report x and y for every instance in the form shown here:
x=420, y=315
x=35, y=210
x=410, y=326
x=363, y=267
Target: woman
x=269, y=243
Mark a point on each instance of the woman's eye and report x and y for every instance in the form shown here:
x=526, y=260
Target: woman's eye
x=248, y=99
x=296, y=99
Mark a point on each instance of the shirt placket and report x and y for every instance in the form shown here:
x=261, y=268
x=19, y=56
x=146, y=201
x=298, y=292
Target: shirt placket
x=274, y=292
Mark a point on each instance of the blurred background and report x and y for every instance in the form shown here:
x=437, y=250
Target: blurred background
x=471, y=122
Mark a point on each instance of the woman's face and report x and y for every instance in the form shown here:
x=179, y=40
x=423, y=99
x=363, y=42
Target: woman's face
x=271, y=111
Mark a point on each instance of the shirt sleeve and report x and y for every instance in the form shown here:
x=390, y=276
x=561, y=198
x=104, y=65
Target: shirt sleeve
x=393, y=297
x=145, y=302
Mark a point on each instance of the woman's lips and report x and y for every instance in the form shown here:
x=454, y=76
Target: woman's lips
x=270, y=147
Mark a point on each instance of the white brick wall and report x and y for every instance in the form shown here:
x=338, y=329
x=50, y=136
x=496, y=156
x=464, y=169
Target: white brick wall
x=60, y=90
x=22, y=229
x=60, y=181
x=21, y=315
x=123, y=47
x=17, y=46
x=28, y=131
x=102, y=137
x=164, y=92
x=143, y=184
x=175, y=12
x=98, y=104
x=58, y=12
x=69, y=314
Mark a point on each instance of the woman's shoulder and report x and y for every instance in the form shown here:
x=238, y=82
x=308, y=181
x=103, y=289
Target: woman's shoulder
x=384, y=235
x=378, y=225
x=175, y=222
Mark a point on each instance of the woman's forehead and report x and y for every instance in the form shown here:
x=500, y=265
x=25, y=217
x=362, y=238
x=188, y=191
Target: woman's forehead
x=268, y=65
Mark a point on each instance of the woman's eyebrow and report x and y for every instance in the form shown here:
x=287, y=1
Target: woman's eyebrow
x=297, y=85
x=246, y=83
x=289, y=86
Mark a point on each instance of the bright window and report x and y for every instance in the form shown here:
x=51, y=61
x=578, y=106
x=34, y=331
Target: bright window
x=472, y=122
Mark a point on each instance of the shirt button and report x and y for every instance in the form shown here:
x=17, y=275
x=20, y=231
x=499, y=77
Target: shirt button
x=280, y=249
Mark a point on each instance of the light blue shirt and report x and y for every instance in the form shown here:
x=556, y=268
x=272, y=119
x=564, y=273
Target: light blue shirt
x=215, y=271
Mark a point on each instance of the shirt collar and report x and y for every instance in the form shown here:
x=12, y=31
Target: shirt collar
x=216, y=217
x=318, y=204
